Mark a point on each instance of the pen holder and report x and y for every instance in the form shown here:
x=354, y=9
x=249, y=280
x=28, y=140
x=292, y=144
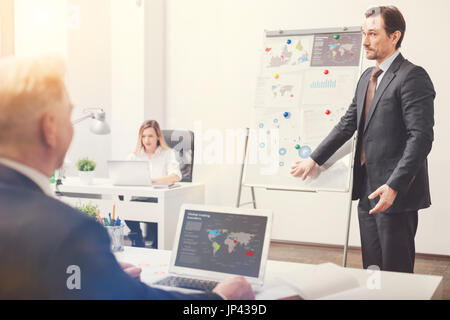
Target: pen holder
x=116, y=234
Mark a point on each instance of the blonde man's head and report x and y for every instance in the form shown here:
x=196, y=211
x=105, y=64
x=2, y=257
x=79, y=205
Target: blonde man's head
x=28, y=88
x=34, y=108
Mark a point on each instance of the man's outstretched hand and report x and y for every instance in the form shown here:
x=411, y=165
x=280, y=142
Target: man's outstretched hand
x=303, y=168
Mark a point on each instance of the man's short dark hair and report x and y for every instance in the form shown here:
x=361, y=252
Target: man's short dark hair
x=393, y=20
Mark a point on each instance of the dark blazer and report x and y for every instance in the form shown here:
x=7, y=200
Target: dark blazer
x=398, y=134
x=40, y=237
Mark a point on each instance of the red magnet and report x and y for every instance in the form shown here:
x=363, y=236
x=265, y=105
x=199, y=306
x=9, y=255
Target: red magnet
x=326, y=72
x=328, y=112
x=268, y=49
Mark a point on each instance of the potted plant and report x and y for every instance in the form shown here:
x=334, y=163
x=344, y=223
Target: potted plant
x=86, y=169
x=89, y=209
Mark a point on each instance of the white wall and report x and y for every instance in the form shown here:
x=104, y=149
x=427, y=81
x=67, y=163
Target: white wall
x=127, y=26
x=37, y=27
x=89, y=78
x=212, y=63
x=115, y=60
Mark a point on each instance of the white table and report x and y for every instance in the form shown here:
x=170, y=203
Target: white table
x=155, y=264
x=164, y=209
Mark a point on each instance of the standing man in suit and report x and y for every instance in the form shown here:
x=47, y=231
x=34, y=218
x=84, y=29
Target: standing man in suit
x=49, y=250
x=393, y=112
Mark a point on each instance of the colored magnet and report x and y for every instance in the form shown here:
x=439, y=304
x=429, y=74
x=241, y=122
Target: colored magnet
x=281, y=164
x=289, y=41
x=282, y=151
x=305, y=152
x=268, y=49
x=328, y=112
x=326, y=72
x=287, y=115
x=277, y=76
x=334, y=53
x=262, y=145
x=297, y=147
x=336, y=36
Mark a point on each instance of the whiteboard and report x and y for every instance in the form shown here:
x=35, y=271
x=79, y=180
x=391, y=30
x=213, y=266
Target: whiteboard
x=306, y=83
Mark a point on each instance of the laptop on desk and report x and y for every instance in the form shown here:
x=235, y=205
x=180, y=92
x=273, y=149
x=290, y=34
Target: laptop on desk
x=216, y=243
x=130, y=173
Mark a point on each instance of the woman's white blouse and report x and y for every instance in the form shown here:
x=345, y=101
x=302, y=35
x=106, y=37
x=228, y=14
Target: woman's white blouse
x=163, y=162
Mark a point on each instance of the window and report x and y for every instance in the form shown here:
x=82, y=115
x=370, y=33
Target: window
x=6, y=27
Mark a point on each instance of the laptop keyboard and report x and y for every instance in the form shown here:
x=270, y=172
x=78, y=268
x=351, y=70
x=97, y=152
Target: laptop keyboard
x=188, y=283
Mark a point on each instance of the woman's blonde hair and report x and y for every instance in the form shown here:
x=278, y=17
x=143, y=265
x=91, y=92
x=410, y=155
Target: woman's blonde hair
x=155, y=125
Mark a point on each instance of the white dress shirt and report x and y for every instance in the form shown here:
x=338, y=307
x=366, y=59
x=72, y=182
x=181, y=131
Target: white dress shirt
x=37, y=177
x=385, y=65
x=163, y=162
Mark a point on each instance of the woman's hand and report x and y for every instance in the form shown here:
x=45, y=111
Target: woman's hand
x=173, y=178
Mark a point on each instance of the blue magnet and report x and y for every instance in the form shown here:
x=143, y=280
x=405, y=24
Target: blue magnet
x=304, y=152
x=282, y=151
x=289, y=41
x=287, y=115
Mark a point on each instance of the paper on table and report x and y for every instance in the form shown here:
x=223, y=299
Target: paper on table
x=360, y=293
x=325, y=280
x=275, y=289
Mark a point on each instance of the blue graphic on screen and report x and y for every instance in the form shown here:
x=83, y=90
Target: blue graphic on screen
x=222, y=242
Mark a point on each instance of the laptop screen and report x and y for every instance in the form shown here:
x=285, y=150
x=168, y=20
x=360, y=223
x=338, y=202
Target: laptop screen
x=221, y=242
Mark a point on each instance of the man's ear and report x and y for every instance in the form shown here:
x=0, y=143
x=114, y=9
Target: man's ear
x=395, y=36
x=48, y=127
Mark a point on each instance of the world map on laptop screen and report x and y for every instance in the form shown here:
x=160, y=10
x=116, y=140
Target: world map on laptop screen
x=221, y=242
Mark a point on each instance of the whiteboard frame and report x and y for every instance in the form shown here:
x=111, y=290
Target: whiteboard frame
x=311, y=32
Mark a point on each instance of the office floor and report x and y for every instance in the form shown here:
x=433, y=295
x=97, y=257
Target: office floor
x=316, y=255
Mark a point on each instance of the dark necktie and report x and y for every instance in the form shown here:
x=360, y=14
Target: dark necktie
x=369, y=97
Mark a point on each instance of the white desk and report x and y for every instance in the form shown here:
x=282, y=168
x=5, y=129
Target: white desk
x=394, y=286
x=163, y=210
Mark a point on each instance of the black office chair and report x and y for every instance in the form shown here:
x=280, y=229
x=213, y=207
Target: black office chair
x=182, y=142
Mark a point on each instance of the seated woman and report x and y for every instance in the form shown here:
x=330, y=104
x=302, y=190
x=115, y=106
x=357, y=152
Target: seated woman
x=165, y=169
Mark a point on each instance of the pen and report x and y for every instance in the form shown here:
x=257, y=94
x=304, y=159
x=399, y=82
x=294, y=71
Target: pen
x=98, y=217
x=110, y=220
x=114, y=211
x=118, y=222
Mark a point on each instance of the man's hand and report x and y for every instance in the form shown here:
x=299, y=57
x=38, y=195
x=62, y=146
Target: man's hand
x=387, y=197
x=132, y=270
x=236, y=288
x=303, y=168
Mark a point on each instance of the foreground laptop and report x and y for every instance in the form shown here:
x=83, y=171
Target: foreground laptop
x=216, y=243
x=130, y=173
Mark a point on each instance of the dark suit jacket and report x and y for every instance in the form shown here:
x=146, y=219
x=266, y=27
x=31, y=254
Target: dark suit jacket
x=398, y=134
x=40, y=237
